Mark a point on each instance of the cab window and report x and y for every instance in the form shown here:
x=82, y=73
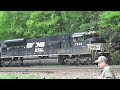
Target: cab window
x=77, y=39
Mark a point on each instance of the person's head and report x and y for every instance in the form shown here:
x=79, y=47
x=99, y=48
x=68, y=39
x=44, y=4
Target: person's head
x=102, y=61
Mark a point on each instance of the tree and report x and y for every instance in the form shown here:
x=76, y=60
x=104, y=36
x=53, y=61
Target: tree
x=75, y=21
x=109, y=24
x=20, y=24
x=42, y=23
x=13, y=24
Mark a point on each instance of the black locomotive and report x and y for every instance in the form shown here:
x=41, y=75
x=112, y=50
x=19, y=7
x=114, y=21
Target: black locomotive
x=76, y=48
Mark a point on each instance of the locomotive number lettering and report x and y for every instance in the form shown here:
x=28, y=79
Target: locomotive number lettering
x=93, y=46
x=77, y=44
x=39, y=50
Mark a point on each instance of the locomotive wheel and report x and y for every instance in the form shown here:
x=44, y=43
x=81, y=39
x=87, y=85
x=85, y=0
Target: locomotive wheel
x=89, y=61
x=61, y=60
x=77, y=62
x=3, y=63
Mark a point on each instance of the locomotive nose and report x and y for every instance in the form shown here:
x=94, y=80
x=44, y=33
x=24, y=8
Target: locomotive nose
x=97, y=40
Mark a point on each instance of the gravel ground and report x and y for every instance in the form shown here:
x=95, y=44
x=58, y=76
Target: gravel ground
x=70, y=74
x=77, y=74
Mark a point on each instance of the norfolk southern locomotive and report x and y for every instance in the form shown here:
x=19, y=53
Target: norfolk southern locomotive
x=76, y=48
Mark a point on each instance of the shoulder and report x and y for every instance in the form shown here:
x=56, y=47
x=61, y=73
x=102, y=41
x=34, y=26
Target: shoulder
x=107, y=68
x=108, y=73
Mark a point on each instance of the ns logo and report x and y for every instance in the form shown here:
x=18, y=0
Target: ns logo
x=40, y=44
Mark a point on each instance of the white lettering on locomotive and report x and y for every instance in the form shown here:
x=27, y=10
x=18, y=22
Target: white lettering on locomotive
x=95, y=46
x=77, y=44
x=40, y=44
x=39, y=50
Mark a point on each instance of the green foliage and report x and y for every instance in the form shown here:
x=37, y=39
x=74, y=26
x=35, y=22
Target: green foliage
x=12, y=24
x=115, y=37
x=24, y=76
x=41, y=23
x=78, y=21
x=110, y=19
x=109, y=24
x=109, y=28
x=19, y=76
x=18, y=24
x=116, y=58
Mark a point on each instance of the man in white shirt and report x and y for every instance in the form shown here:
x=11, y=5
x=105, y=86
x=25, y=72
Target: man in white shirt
x=106, y=72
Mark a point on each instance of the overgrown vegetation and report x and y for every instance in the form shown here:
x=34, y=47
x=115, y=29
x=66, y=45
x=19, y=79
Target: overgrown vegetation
x=116, y=58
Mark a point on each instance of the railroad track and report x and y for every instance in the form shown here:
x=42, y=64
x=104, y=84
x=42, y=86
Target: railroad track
x=50, y=68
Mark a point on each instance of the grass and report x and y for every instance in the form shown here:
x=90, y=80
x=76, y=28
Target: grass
x=23, y=76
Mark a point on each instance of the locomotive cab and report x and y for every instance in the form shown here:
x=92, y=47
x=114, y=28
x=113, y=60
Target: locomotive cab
x=85, y=48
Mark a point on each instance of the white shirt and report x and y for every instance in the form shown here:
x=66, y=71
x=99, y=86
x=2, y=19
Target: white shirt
x=107, y=73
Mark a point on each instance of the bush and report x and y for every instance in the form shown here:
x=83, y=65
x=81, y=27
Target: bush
x=116, y=58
